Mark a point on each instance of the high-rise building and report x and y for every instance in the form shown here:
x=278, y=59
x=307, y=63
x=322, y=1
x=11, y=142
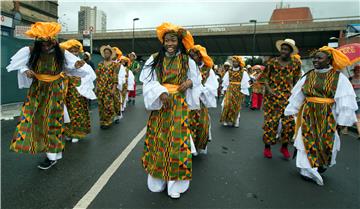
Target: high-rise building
x=91, y=18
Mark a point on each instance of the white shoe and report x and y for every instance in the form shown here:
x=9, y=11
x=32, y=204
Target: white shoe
x=75, y=140
x=67, y=138
x=203, y=151
x=195, y=154
x=236, y=125
x=315, y=176
x=318, y=179
x=175, y=195
x=225, y=124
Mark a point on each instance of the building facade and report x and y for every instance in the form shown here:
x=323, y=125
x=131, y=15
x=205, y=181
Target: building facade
x=91, y=19
x=17, y=15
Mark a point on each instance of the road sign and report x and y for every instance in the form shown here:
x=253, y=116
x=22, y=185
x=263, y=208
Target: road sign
x=20, y=31
x=6, y=21
x=86, y=32
x=86, y=42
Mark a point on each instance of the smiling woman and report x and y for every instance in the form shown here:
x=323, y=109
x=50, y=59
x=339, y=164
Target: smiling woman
x=322, y=99
x=43, y=68
x=171, y=87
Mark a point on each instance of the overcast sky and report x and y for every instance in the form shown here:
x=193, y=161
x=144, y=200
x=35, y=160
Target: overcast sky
x=152, y=13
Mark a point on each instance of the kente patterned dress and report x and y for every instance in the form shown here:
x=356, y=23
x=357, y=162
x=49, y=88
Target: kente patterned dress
x=236, y=84
x=322, y=99
x=106, y=79
x=257, y=92
x=134, y=65
x=281, y=80
x=200, y=119
x=167, y=151
x=41, y=122
x=126, y=83
x=80, y=89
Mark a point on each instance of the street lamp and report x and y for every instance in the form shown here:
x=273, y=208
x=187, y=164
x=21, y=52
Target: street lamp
x=333, y=42
x=133, y=39
x=254, y=36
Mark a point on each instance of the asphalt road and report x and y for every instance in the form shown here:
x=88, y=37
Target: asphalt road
x=234, y=174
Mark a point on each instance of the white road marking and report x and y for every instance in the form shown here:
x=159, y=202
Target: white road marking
x=104, y=178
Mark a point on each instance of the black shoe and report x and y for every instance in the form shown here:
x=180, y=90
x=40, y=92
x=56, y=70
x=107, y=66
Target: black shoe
x=47, y=164
x=104, y=127
x=321, y=169
x=306, y=178
x=133, y=102
x=117, y=121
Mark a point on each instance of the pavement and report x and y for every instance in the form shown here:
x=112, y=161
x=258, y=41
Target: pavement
x=234, y=174
x=10, y=111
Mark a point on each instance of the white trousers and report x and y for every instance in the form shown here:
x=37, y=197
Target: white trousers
x=173, y=187
x=302, y=161
x=54, y=156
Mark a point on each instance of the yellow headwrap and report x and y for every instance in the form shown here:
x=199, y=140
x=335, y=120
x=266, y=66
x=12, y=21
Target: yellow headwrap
x=187, y=39
x=44, y=30
x=72, y=43
x=297, y=56
x=240, y=60
x=339, y=59
x=118, y=52
x=204, y=56
x=127, y=59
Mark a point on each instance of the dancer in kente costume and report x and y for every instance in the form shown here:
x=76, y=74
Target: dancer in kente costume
x=322, y=99
x=171, y=87
x=80, y=89
x=106, y=84
x=41, y=68
x=135, y=68
x=126, y=81
x=117, y=94
x=200, y=119
x=235, y=85
x=257, y=88
x=279, y=77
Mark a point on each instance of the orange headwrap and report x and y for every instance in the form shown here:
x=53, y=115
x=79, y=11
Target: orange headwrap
x=297, y=56
x=126, y=59
x=118, y=52
x=260, y=67
x=186, y=36
x=204, y=56
x=72, y=43
x=339, y=59
x=44, y=30
x=240, y=60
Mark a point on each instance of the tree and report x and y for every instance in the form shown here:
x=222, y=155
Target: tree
x=257, y=61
